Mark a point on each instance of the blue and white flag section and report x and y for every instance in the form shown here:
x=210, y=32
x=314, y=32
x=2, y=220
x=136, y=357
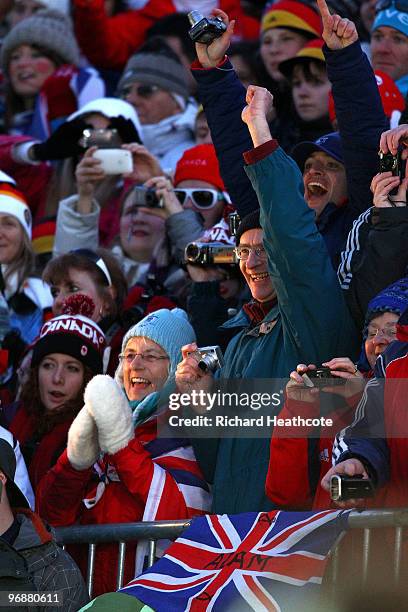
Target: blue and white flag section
x=267, y=561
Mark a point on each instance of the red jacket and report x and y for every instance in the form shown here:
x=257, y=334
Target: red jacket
x=297, y=464
x=31, y=180
x=114, y=39
x=151, y=479
x=47, y=450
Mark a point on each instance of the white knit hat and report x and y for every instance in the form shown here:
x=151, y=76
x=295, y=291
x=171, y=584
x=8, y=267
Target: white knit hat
x=12, y=203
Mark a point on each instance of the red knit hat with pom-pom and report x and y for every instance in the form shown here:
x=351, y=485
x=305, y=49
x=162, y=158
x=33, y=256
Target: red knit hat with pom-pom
x=74, y=334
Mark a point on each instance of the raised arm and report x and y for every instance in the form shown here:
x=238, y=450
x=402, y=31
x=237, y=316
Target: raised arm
x=223, y=99
x=358, y=105
x=309, y=295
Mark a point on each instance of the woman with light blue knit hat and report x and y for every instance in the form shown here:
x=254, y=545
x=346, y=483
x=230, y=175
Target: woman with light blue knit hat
x=139, y=476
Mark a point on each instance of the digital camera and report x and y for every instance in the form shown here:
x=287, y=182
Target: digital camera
x=344, y=487
x=102, y=138
x=322, y=377
x=394, y=164
x=212, y=358
x=141, y=196
x=209, y=253
x=205, y=29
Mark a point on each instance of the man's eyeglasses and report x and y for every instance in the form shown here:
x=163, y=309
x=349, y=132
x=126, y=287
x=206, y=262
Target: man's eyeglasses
x=243, y=252
x=147, y=357
x=201, y=198
x=388, y=332
x=399, y=5
x=143, y=91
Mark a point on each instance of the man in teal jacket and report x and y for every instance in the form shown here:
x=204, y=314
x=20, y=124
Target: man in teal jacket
x=298, y=314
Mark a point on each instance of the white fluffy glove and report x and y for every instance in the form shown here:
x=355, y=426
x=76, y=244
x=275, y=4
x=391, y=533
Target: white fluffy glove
x=109, y=406
x=83, y=448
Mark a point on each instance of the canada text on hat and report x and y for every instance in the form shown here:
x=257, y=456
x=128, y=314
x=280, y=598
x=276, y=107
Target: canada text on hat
x=293, y=15
x=199, y=163
x=78, y=325
x=13, y=203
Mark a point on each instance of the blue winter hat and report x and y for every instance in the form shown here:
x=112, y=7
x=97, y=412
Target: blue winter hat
x=391, y=18
x=329, y=143
x=393, y=298
x=170, y=329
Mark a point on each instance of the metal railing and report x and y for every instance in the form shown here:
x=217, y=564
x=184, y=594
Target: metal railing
x=170, y=530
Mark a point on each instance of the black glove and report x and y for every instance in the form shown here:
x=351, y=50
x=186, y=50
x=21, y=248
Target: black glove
x=126, y=129
x=63, y=143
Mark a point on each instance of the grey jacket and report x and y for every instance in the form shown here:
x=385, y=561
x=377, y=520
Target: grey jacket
x=47, y=566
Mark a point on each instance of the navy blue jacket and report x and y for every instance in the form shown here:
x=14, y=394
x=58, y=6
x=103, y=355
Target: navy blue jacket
x=360, y=118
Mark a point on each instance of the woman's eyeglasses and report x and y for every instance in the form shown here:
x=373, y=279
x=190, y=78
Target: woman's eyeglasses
x=201, y=198
x=399, y=5
x=143, y=91
x=147, y=357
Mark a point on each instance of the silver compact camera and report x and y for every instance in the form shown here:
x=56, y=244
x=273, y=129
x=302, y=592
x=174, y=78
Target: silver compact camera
x=209, y=254
x=143, y=196
x=211, y=360
x=205, y=29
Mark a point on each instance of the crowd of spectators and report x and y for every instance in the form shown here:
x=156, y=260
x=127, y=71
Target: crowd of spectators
x=121, y=144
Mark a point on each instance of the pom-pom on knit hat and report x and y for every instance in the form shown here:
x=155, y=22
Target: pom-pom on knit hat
x=170, y=329
x=199, y=163
x=48, y=29
x=293, y=15
x=73, y=334
x=12, y=203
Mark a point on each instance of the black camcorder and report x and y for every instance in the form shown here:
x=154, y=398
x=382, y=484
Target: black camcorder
x=344, y=487
x=209, y=254
x=205, y=29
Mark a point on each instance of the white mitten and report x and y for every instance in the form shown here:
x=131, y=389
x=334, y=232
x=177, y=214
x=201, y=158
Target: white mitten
x=83, y=448
x=109, y=407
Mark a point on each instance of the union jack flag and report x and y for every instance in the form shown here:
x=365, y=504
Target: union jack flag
x=253, y=561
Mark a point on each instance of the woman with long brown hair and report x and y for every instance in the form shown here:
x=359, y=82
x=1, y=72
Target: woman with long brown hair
x=68, y=353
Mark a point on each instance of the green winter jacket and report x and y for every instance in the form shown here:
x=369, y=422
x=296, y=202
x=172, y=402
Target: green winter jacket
x=312, y=325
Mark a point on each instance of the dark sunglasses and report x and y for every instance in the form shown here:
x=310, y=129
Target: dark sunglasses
x=201, y=198
x=143, y=91
x=399, y=5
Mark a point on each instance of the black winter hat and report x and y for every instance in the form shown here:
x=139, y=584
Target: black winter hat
x=250, y=221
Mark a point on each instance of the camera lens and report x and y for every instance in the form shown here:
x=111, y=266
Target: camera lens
x=192, y=252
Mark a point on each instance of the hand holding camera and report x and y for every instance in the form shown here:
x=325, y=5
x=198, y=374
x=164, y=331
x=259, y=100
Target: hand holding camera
x=211, y=53
x=163, y=189
x=189, y=376
x=145, y=164
x=88, y=173
x=354, y=481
